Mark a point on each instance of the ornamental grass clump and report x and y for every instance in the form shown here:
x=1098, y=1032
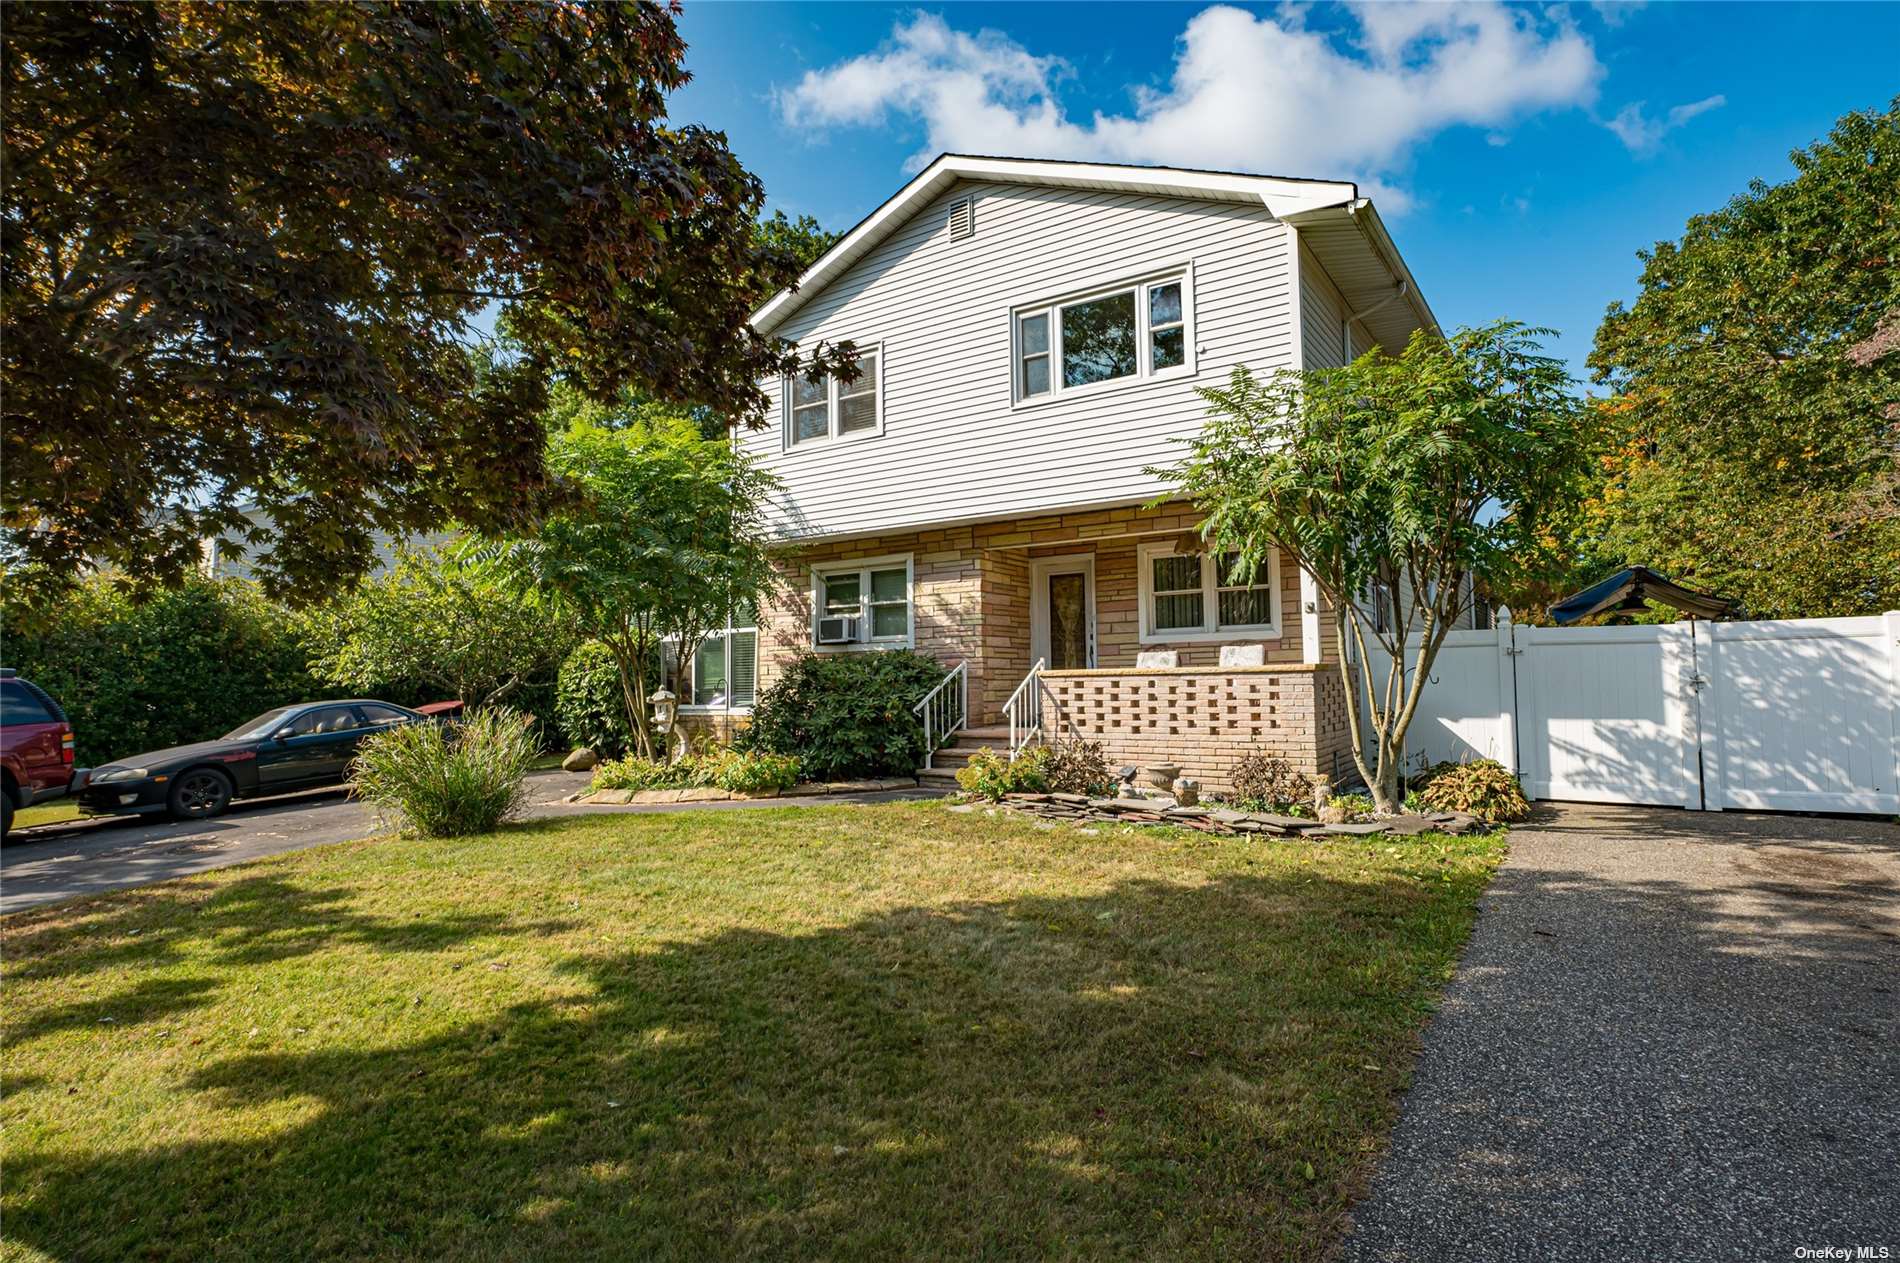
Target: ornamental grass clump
x=448, y=781
x=735, y=771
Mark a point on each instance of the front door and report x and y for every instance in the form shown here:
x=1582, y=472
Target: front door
x=1062, y=612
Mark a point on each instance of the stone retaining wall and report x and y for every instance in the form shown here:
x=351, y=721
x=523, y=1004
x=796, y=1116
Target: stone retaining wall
x=1205, y=718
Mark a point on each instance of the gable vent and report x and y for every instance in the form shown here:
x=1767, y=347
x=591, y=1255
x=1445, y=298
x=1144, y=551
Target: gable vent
x=962, y=218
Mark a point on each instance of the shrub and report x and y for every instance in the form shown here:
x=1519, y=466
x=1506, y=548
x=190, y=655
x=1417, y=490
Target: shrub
x=184, y=664
x=1079, y=767
x=846, y=715
x=990, y=774
x=446, y=781
x=588, y=704
x=734, y=771
x=1264, y=782
x=1483, y=788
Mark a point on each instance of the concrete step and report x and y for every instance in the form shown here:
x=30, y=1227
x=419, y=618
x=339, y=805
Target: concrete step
x=935, y=777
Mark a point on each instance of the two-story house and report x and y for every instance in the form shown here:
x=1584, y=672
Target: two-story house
x=1031, y=335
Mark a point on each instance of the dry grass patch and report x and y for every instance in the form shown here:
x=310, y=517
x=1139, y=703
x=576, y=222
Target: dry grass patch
x=831, y=1032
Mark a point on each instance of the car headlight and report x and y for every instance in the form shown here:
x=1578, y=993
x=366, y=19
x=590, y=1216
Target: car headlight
x=108, y=774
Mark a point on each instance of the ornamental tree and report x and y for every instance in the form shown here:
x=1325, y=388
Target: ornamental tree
x=662, y=536
x=444, y=617
x=1419, y=476
x=246, y=249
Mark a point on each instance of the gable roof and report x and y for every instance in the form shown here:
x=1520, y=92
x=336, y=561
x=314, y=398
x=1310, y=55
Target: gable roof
x=1286, y=198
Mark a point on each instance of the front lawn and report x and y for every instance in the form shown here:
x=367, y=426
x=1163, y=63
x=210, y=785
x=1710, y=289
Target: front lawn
x=887, y=1031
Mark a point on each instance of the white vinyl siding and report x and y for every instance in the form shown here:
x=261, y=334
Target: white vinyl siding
x=955, y=444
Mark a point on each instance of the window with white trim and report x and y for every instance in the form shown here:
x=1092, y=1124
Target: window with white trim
x=725, y=669
x=877, y=592
x=1201, y=596
x=827, y=409
x=1121, y=333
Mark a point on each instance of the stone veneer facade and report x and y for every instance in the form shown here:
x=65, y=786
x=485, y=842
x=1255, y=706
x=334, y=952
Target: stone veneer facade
x=971, y=602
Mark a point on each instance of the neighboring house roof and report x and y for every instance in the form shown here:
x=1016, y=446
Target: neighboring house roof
x=1341, y=228
x=1626, y=591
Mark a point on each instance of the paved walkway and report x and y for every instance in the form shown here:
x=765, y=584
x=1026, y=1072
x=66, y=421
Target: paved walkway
x=1674, y=1036
x=40, y=865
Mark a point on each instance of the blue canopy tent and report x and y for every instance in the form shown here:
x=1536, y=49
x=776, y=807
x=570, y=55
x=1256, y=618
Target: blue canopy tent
x=1626, y=591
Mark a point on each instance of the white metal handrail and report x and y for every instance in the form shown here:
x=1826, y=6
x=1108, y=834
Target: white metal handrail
x=1024, y=710
x=944, y=709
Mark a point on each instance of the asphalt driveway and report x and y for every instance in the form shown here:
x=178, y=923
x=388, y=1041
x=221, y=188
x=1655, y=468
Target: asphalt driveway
x=1675, y=1035
x=88, y=857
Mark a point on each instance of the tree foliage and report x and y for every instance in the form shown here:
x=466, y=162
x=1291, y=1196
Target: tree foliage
x=187, y=664
x=246, y=246
x=1751, y=440
x=447, y=619
x=1413, y=474
x=663, y=537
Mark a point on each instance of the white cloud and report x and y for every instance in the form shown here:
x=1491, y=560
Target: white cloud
x=1641, y=133
x=1616, y=12
x=1254, y=94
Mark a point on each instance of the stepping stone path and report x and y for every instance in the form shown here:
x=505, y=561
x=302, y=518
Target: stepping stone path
x=1081, y=809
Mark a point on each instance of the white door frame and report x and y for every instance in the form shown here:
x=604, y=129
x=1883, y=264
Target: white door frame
x=1039, y=571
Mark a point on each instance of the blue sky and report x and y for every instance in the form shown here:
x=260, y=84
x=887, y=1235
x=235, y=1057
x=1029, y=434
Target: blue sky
x=1521, y=155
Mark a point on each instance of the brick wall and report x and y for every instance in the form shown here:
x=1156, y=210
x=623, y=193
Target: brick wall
x=1203, y=719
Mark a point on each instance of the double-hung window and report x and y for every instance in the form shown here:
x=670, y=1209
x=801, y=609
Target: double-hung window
x=876, y=592
x=828, y=409
x=1205, y=596
x=725, y=668
x=1126, y=333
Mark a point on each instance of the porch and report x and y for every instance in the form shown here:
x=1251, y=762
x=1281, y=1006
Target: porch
x=1109, y=625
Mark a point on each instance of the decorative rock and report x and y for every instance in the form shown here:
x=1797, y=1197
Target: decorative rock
x=1026, y=798
x=580, y=760
x=1075, y=799
x=1410, y=826
x=1186, y=811
x=1227, y=815
x=1126, y=772
x=1243, y=655
x=1104, y=804
x=1287, y=824
x=1355, y=830
x=1187, y=792
x=610, y=796
x=1334, y=815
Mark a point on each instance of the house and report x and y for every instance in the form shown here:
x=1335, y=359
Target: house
x=1032, y=334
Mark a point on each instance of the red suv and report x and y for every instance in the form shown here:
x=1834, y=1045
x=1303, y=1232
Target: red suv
x=36, y=747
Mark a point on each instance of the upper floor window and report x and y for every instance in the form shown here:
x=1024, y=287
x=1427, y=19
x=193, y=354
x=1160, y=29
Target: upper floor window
x=1203, y=596
x=818, y=411
x=1123, y=333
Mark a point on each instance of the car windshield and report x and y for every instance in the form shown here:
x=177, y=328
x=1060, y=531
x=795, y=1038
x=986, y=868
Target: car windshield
x=263, y=726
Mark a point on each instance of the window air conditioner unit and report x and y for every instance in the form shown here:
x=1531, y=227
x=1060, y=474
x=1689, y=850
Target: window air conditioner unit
x=838, y=629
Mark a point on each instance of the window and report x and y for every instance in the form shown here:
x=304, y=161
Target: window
x=324, y=719
x=817, y=411
x=1125, y=333
x=1197, y=596
x=725, y=669
x=378, y=715
x=17, y=706
x=876, y=591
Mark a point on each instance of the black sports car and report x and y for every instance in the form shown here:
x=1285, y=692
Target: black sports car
x=290, y=748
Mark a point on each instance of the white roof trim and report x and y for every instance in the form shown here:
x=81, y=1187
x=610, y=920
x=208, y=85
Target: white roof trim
x=1392, y=307
x=1283, y=197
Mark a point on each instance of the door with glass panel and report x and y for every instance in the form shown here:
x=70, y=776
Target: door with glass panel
x=1062, y=613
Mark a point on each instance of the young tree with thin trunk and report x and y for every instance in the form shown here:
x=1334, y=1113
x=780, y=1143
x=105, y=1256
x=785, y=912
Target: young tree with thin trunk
x=1421, y=477
x=662, y=537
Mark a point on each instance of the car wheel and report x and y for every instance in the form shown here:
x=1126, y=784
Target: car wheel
x=199, y=793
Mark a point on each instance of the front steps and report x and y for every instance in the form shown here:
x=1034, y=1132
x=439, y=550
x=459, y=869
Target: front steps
x=943, y=775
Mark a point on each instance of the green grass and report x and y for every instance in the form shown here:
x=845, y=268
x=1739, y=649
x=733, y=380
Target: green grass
x=841, y=1032
x=55, y=812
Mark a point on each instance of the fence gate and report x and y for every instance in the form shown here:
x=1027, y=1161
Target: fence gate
x=1800, y=715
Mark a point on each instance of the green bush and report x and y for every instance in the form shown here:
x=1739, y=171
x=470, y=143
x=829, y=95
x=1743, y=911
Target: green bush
x=588, y=705
x=1079, y=767
x=735, y=771
x=448, y=780
x=990, y=774
x=1483, y=788
x=846, y=715
x=182, y=665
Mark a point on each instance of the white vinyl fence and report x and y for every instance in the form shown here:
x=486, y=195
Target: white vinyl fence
x=1794, y=715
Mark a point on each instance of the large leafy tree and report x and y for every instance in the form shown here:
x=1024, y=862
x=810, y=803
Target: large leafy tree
x=1423, y=475
x=662, y=537
x=446, y=618
x=246, y=248
x=1752, y=436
